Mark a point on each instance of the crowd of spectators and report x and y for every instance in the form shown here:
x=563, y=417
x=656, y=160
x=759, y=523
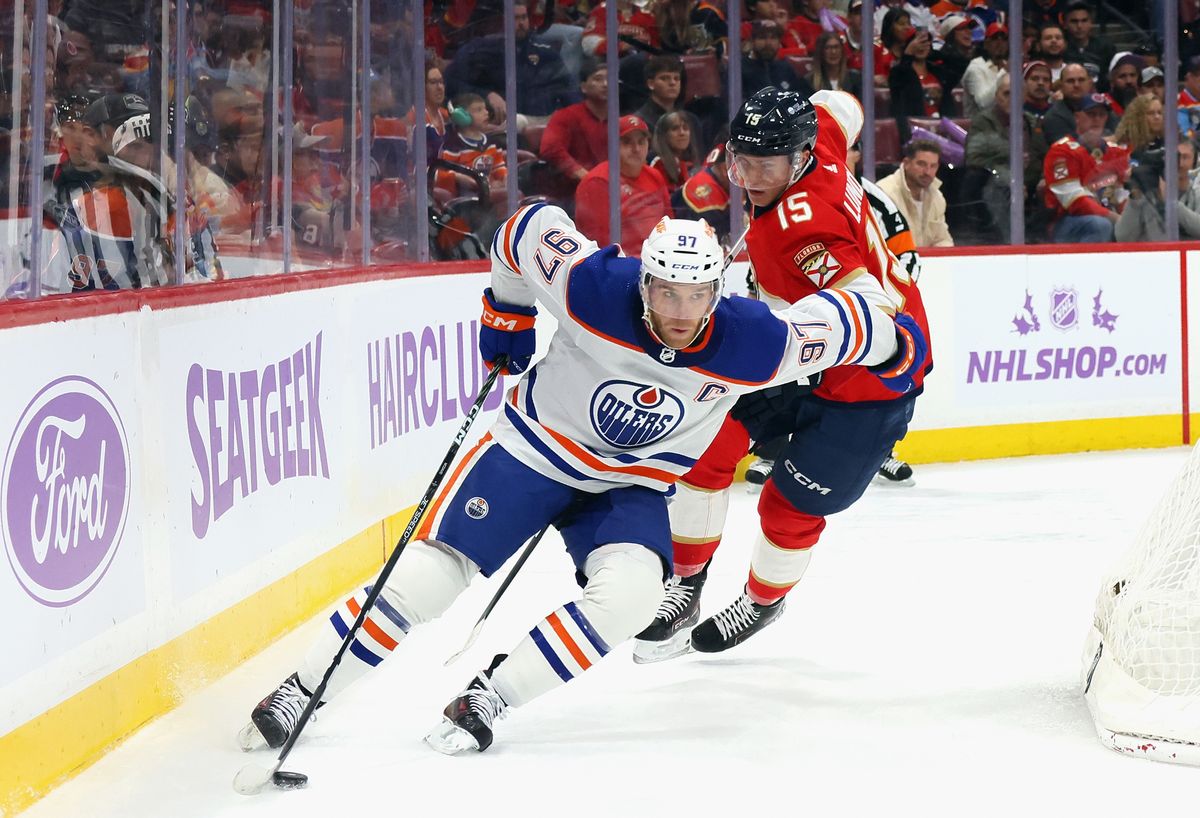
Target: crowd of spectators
x=941, y=89
x=1094, y=123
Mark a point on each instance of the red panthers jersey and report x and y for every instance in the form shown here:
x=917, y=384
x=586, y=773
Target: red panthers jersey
x=1083, y=182
x=822, y=234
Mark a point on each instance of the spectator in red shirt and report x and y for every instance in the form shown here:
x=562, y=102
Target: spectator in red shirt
x=895, y=34
x=632, y=22
x=1083, y=175
x=575, y=140
x=806, y=25
x=644, y=196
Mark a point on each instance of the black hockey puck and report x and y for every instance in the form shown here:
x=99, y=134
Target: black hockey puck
x=285, y=780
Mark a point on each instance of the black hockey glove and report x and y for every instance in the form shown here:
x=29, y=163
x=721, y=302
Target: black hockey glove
x=763, y=409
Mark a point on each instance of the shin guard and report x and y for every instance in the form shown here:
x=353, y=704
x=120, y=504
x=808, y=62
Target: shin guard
x=427, y=578
x=623, y=591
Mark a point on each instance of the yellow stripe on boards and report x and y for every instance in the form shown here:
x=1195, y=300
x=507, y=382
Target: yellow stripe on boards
x=1021, y=439
x=1051, y=437
x=62, y=742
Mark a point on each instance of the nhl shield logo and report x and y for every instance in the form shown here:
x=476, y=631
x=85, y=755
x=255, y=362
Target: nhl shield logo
x=1064, y=308
x=628, y=415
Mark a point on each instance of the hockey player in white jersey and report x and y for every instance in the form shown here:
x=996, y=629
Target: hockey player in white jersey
x=645, y=364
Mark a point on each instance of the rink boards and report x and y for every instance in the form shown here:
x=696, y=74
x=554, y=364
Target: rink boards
x=190, y=473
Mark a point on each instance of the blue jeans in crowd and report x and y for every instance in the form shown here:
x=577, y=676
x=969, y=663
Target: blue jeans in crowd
x=1083, y=230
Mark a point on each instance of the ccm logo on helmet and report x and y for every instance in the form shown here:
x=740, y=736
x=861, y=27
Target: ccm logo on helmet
x=685, y=266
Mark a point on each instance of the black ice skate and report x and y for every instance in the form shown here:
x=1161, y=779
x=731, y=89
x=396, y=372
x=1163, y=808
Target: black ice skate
x=758, y=472
x=275, y=717
x=668, y=635
x=895, y=470
x=467, y=721
x=734, y=625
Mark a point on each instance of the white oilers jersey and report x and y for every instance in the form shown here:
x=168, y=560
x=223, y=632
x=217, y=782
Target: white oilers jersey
x=609, y=404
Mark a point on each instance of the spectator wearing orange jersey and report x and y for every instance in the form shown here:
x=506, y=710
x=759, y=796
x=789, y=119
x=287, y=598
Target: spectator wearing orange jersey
x=467, y=145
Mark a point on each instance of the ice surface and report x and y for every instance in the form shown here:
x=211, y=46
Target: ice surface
x=928, y=665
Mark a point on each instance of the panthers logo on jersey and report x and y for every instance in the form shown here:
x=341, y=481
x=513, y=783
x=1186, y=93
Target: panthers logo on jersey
x=629, y=415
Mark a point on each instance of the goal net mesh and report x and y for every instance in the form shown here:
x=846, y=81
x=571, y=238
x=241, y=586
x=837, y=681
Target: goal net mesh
x=1148, y=613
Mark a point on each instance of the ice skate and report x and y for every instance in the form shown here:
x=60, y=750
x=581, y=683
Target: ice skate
x=895, y=471
x=734, y=625
x=275, y=717
x=467, y=721
x=757, y=474
x=669, y=635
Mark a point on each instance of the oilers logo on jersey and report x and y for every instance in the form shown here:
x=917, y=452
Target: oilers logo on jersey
x=477, y=508
x=629, y=415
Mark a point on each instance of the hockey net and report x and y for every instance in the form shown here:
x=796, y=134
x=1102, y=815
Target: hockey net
x=1141, y=663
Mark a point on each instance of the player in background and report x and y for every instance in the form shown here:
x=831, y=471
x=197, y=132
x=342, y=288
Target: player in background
x=647, y=360
x=811, y=229
x=900, y=241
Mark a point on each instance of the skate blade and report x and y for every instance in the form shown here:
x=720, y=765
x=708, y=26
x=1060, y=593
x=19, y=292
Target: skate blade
x=880, y=480
x=250, y=739
x=450, y=739
x=645, y=653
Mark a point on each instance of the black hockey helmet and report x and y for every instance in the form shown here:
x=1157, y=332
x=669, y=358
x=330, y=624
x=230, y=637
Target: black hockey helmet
x=199, y=134
x=774, y=123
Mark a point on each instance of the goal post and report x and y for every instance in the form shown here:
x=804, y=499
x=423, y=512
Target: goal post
x=1141, y=660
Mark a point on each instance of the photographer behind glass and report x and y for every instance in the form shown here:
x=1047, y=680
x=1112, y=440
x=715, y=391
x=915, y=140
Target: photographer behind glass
x=1143, y=218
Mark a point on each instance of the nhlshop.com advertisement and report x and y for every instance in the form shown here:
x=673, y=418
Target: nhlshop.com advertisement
x=1088, y=332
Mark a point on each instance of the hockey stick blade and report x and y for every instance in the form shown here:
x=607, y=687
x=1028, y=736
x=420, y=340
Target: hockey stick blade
x=475, y=631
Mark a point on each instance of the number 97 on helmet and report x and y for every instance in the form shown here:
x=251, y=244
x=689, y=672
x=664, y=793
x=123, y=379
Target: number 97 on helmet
x=683, y=273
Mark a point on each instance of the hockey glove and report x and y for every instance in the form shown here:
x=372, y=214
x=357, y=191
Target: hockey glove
x=768, y=413
x=897, y=372
x=506, y=329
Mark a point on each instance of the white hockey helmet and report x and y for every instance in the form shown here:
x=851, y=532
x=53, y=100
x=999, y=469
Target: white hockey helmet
x=686, y=253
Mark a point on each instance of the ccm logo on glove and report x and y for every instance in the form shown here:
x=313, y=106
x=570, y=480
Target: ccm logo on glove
x=507, y=330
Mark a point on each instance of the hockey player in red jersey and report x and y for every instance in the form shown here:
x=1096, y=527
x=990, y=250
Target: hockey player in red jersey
x=811, y=229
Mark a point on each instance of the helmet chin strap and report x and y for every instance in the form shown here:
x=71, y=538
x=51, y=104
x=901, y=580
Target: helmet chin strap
x=801, y=168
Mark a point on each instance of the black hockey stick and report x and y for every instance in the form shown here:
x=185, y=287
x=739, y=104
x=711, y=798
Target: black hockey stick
x=252, y=778
x=475, y=631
